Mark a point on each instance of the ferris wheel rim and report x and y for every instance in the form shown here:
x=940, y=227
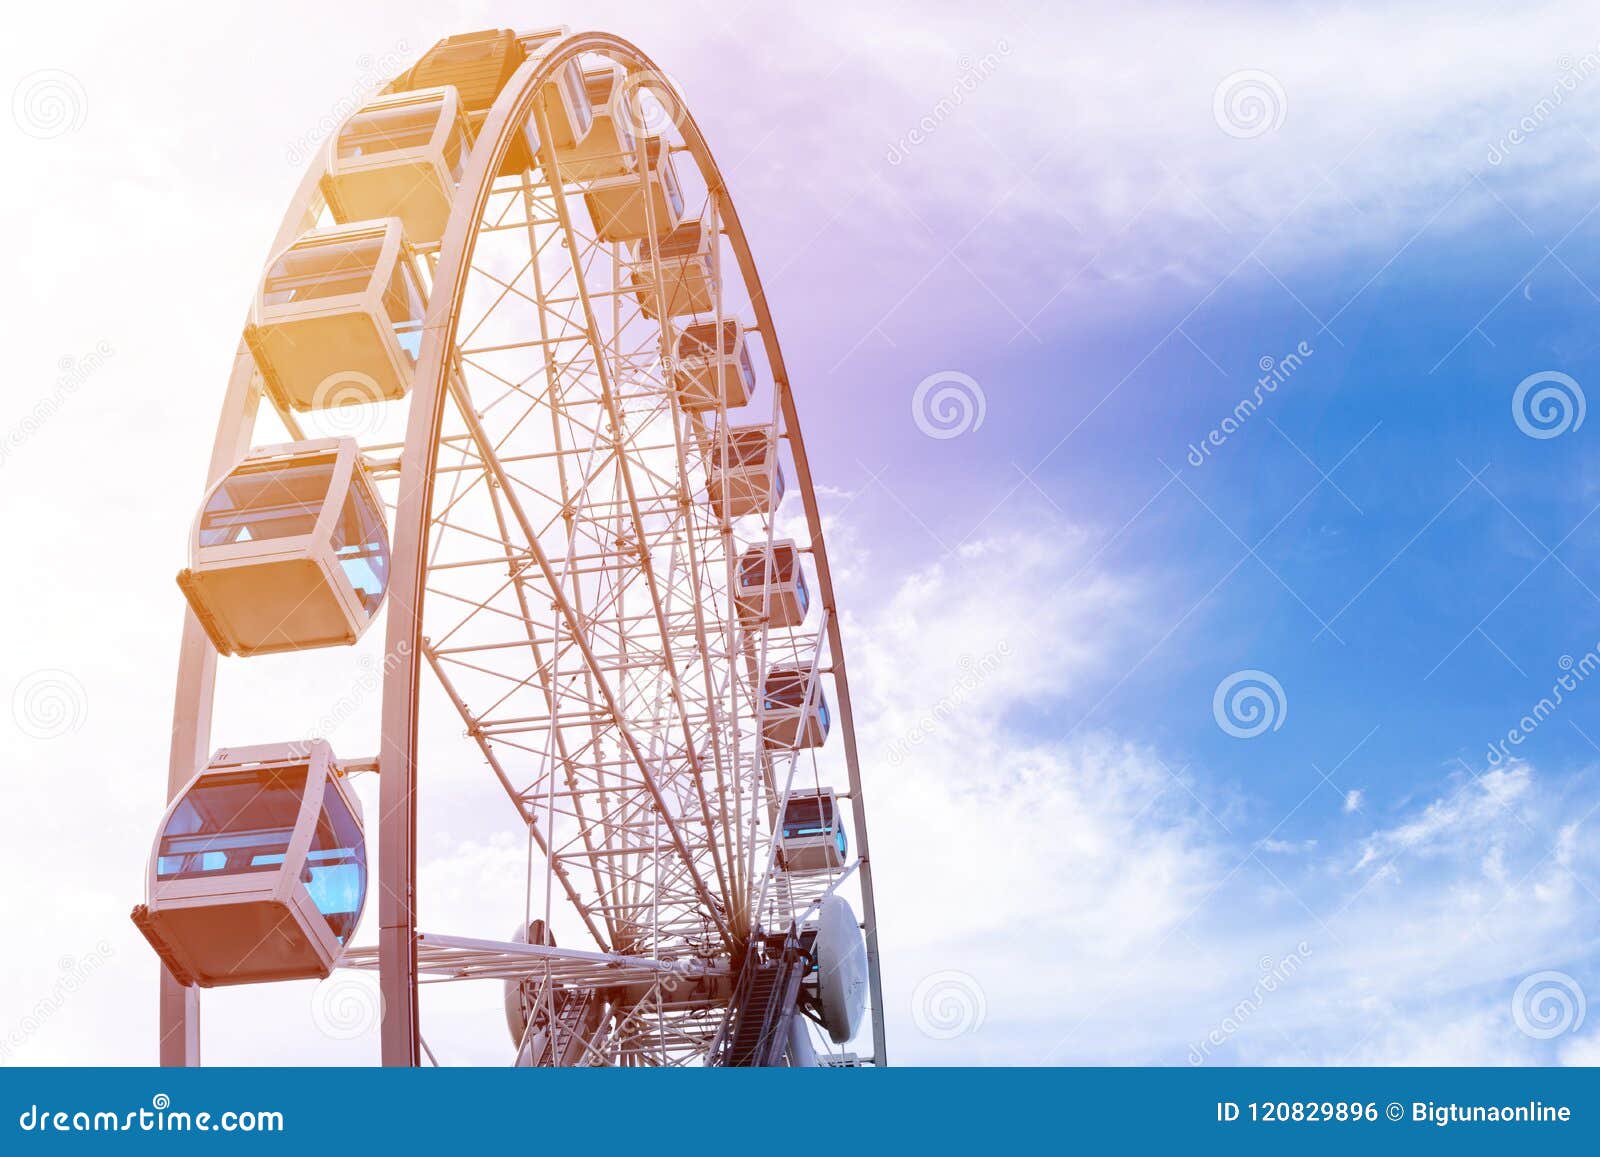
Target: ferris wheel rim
x=411, y=533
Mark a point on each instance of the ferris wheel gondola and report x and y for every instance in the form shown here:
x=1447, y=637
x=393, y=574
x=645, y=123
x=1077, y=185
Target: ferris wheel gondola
x=260, y=869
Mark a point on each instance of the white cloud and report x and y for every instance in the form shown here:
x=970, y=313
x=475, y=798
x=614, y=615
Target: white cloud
x=1584, y=1051
x=1286, y=847
x=1472, y=815
x=1107, y=916
x=1102, y=130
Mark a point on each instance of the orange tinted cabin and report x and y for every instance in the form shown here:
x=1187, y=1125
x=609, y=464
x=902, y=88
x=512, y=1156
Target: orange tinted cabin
x=400, y=156
x=259, y=870
x=771, y=586
x=620, y=208
x=684, y=258
x=707, y=373
x=475, y=64
x=751, y=476
x=791, y=717
x=565, y=99
x=608, y=150
x=338, y=320
x=290, y=551
x=478, y=65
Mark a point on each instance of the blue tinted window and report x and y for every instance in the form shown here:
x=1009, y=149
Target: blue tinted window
x=746, y=370
x=237, y=821
x=336, y=866
x=807, y=815
x=578, y=96
x=405, y=305
x=261, y=502
x=674, y=194
x=361, y=543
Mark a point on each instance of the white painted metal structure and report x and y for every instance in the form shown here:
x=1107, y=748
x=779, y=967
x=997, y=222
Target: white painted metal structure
x=559, y=571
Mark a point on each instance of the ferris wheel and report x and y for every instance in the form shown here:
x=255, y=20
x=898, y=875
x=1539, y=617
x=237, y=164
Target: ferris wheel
x=510, y=397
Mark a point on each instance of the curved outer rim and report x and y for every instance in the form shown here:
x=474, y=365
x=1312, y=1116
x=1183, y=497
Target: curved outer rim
x=180, y=1020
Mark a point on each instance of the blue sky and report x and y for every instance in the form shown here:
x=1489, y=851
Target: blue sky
x=1040, y=608
x=1380, y=536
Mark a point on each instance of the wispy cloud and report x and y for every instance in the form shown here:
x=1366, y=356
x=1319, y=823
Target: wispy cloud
x=1134, y=172
x=1112, y=902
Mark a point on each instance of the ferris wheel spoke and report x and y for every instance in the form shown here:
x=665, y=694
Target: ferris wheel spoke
x=635, y=518
x=563, y=604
